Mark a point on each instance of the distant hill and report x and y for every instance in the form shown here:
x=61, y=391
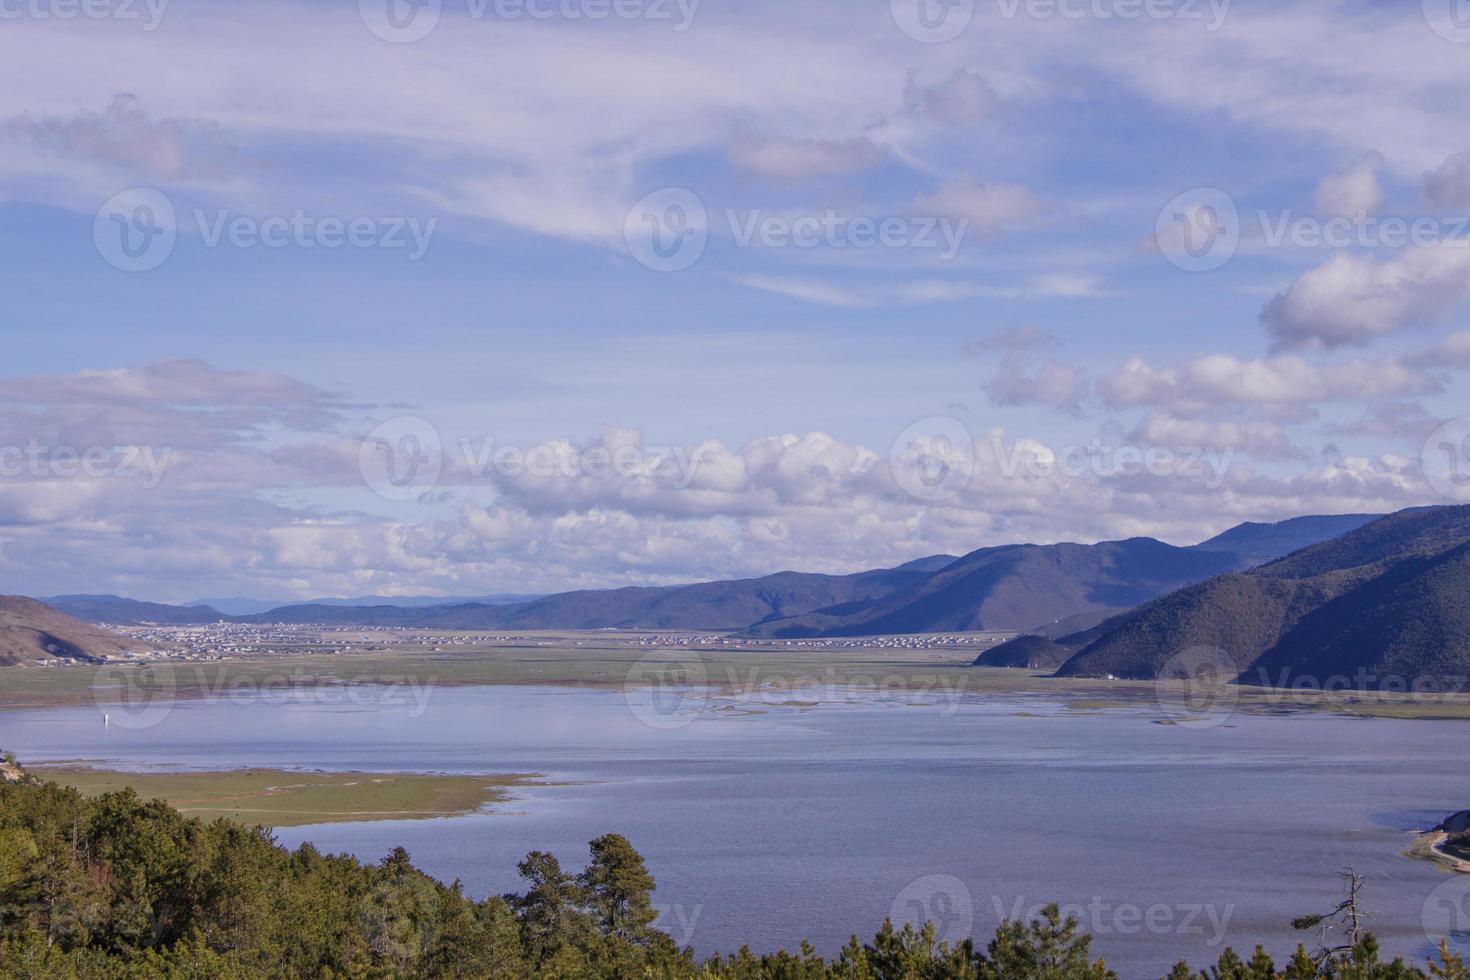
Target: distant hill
x=1053, y=589
x=32, y=632
x=1390, y=599
x=239, y=606
x=1018, y=587
x=1260, y=543
x=131, y=612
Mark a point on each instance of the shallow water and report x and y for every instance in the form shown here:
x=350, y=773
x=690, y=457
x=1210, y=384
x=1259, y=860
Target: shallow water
x=769, y=823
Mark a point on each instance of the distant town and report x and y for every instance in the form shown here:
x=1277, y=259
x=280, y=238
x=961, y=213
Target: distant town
x=225, y=641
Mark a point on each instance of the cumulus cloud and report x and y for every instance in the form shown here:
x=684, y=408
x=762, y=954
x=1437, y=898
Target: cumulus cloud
x=1018, y=382
x=1260, y=439
x=1357, y=191
x=606, y=511
x=799, y=159
x=990, y=208
x=1351, y=299
x=126, y=136
x=1451, y=352
x=1222, y=379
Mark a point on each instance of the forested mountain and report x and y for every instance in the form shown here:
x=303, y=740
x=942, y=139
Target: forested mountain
x=1387, y=603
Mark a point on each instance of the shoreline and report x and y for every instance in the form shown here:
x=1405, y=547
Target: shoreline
x=1427, y=847
x=596, y=662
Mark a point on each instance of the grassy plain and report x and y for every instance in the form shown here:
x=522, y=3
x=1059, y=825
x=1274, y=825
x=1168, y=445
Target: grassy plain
x=282, y=798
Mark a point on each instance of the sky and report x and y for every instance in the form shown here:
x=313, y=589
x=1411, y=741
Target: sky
x=457, y=297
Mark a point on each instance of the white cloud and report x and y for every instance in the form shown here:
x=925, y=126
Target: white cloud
x=1358, y=191
x=990, y=208
x=1351, y=299
x=803, y=158
x=1018, y=382
x=124, y=135
x=1222, y=379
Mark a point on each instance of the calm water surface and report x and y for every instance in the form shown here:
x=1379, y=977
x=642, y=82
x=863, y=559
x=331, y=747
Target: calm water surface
x=765, y=824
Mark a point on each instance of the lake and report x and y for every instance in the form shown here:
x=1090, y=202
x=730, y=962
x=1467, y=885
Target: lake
x=767, y=823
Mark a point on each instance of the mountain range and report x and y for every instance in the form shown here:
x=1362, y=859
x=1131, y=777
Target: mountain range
x=1056, y=588
x=1385, y=604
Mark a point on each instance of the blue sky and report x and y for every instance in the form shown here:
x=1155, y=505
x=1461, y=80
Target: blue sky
x=819, y=405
